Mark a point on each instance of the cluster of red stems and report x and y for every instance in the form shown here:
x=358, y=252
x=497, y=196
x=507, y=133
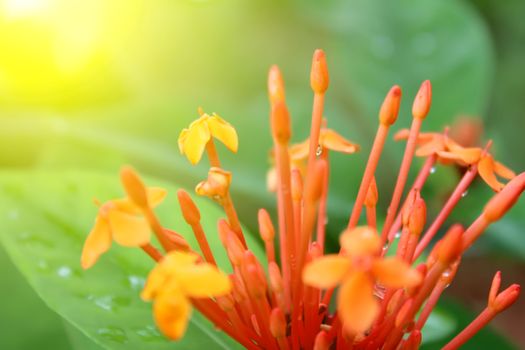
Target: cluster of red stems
x=385, y=297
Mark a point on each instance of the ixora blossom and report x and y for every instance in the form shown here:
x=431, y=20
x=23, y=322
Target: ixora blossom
x=383, y=292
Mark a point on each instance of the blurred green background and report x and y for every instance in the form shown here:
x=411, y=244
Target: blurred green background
x=92, y=85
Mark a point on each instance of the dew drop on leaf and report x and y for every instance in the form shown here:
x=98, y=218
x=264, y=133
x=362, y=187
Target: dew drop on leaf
x=116, y=334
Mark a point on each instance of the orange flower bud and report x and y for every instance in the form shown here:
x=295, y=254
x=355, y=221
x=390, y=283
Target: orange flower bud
x=276, y=279
x=450, y=246
x=494, y=287
x=275, y=85
x=134, y=187
x=217, y=184
x=322, y=341
x=506, y=298
x=403, y=314
x=190, y=212
x=502, y=201
x=179, y=242
x=390, y=107
x=254, y=281
x=280, y=123
x=297, y=185
x=265, y=226
x=319, y=74
x=315, y=190
x=423, y=100
x=415, y=213
x=371, y=194
x=277, y=323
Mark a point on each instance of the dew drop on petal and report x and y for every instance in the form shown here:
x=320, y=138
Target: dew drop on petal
x=319, y=150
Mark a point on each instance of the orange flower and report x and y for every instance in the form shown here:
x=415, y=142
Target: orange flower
x=171, y=284
x=328, y=139
x=119, y=220
x=447, y=151
x=357, y=270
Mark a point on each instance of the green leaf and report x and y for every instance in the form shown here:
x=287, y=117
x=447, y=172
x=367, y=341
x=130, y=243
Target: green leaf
x=46, y=217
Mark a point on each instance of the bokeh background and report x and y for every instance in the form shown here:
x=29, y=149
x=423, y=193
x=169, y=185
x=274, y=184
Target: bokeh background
x=97, y=84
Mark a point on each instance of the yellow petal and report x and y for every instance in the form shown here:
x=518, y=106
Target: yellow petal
x=327, y=271
x=157, y=278
x=97, y=243
x=176, y=259
x=172, y=312
x=223, y=132
x=392, y=272
x=486, y=171
x=156, y=195
x=335, y=142
x=357, y=305
x=203, y=280
x=182, y=138
x=128, y=230
x=195, y=141
x=360, y=241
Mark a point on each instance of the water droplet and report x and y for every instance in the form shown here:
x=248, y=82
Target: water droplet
x=397, y=235
x=116, y=334
x=13, y=215
x=64, y=271
x=319, y=150
x=149, y=334
x=433, y=170
x=464, y=194
x=136, y=282
x=42, y=266
x=109, y=302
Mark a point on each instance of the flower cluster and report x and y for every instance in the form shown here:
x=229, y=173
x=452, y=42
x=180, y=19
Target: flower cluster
x=383, y=293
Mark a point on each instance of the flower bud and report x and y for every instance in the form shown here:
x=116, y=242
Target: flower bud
x=502, y=201
x=276, y=279
x=134, y=187
x=450, y=246
x=280, y=123
x=371, y=194
x=319, y=74
x=275, y=85
x=423, y=100
x=217, y=184
x=390, y=107
x=415, y=213
x=178, y=241
x=506, y=298
x=265, y=226
x=190, y=212
x=277, y=323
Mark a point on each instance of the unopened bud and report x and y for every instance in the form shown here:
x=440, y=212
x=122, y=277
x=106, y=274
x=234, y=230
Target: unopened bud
x=319, y=74
x=277, y=323
x=403, y=314
x=415, y=213
x=322, y=341
x=134, y=187
x=423, y=100
x=315, y=189
x=265, y=226
x=506, y=298
x=297, y=185
x=450, y=246
x=280, y=123
x=504, y=200
x=217, y=184
x=494, y=287
x=276, y=279
x=371, y=194
x=275, y=85
x=178, y=241
x=390, y=107
x=190, y=212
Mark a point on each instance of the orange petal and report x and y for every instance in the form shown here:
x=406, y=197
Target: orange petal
x=469, y=155
x=357, y=305
x=503, y=171
x=430, y=148
x=128, y=230
x=335, y=142
x=486, y=171
x=327, y=271
x=172, y=312
x=97, y=243
x=299, y=151
x=203, y=280
x=401, y=135
x=360, y=241
x=392, y=272
x=223, y=132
